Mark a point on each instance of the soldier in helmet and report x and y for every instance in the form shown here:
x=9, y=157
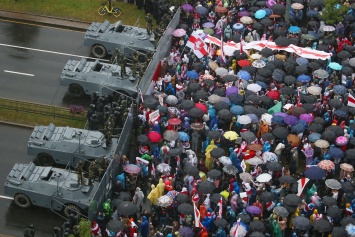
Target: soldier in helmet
x=123, y=64
x=79, y=172
x=134, y=62
x=92, y=171
x=94, y=98
x=90, y=112
x=149, y=23
x=115, y=56
x=104, y=163
x=94, y=122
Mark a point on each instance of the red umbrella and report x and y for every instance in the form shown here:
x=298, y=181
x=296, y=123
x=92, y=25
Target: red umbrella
x=244, y=63
x=201, y=107
x=274, y=95
x=154, y=137
x=174, y=121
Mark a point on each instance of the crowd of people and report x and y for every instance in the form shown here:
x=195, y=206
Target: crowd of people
x=257, y=143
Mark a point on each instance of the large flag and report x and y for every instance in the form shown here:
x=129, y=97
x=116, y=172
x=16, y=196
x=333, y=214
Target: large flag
x=276, y=108
x=351, y=100
x=301, y=184
x=197, y=217
x=196, y=43
x=220, y=205
x=223, y=56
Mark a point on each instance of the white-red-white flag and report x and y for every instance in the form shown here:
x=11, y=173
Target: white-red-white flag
x=196, y=43
x=223, y=56
x=220, y=209
x=243, y=165
x=152, y=172
x=241, y=45
x=140, y=94
x=197, y=216
x=301, y=184
x=299, y=104
x=351, y=100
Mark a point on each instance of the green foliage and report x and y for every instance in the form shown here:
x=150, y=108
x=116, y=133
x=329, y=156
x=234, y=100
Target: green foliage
x=332, y=15
x=71, y=235
x=84, y=228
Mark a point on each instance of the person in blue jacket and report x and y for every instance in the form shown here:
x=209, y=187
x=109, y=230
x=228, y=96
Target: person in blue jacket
x=221, y=232
x=144, y=227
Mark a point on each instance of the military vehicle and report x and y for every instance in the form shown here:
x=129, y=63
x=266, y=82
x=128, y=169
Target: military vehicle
x=53, y=188
x=104, y=38
x=65, y=145
x=88, y=76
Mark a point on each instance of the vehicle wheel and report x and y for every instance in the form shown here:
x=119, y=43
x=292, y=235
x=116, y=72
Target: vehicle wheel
x=22, y=200
x=99, y=51
x=142, y=56
x=116, y=12
x=72, y=209
x=102, y=11
x=45, y=159
x=76, y=90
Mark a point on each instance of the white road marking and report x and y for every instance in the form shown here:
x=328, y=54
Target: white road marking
x=47, y=51
x=20, y=73
x=6, y=197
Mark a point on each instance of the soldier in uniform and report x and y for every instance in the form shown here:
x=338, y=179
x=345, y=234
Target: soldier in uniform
x=123, y=65
x=94, y=122
x=115, y=56
x=79, y=172
x=149, y=23
x=92, y=171
x=104, y=163
x=134, y=62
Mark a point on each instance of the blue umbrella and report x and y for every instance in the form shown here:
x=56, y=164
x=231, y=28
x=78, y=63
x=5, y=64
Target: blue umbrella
x=341, y=113
x=238, y=27
x=313, y=33
x=192, y=74
x=335, y=66
x=244, y=75
x=294, y=29
x=302, y=61
x=303, y=123
x=335, y=152
x=312, y=13
x=277, y=120
x=303, y=78
x=268, y=11
x=183, y=136
x=254, y=118
x=262, y=84
x=236, y=109
x=260, y=14
x=313, y=137
x=314, y=173
x=298, y=128
x=202, y=11
x=340, y=89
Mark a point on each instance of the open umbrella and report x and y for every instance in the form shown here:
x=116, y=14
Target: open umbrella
x=246, y=177
x=126, y=208
x=322, y=143
x=206, y=187
x=244, y=119
x=326, y=165
x=221, y=71
x=335, y=66
x=191, y=170
x=142, y=139
x=186, y=209
x=314, y=90
x=333, y=212
x=221, y=223
x=182, y=198
x=163, y=168
x=329, y=201
x=347, y=167
x=322, y=225
x=338, y=232
x=196, y=112
x=115, y=225
x=287, y=179
x=214, y=174
x=217, y=152
x=274, y=166
x=346, y=221
x=225, y=160
x=187, y=7
x=253, y=210
x=280, y=211
x=248, y=136
x=230, y=169
x=179, y=32
x=230, y=135
x=282, y=41
x=132, y=169
x=292, y=200
x=154, y=137
x=264, y=177
x=301, y=223
x=246, y=20
x=174, y=121
x=170, y=135
x=314, y=173
x=280, y=132
x=165, y=201
x=333, y=183
x=257, y=226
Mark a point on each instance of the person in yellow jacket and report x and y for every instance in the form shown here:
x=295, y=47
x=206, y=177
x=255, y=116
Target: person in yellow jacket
x=161, y=187
x=153, y=195
x=209, y=159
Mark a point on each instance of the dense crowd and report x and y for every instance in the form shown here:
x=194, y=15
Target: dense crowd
x=254, y=143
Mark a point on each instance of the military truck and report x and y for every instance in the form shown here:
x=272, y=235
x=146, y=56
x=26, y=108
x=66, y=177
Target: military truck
x=65, y=145
x=53, y=188
x=104, y=38
x=88, y=76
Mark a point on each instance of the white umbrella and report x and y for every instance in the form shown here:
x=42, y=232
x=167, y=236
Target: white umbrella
x=288, y=106
x=238, y=230
x=221, y=71
x=328, y=28
x=165, y=201
x=297, y=6
x=225, y=160
x=264, y=178
x=322, y=143
x=244, y=119
x=254, y=161
x=254, y=87
x=352, y=62
x=259, y=64
x=267, y=118
x=246, y=20
x=269, y=157
x=314, y=90
x=256, y=56
x=163, y=168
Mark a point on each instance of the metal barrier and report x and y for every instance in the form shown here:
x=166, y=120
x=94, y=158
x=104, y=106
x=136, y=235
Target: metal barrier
x=46, y=110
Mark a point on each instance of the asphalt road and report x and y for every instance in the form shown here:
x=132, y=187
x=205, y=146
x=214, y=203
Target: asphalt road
x=32, y=58
x=13, y=220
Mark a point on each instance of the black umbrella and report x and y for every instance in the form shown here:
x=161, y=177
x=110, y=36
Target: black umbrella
x=196, y=113
x=267, y=52
x=344, y=54
x=278, y=9
x=150, y=103
x=225, y=114
x=289, y=208
x=245, y=218
x=187, y=104
x=115, y=225
x=337, y=130
x=236, y=98
x=315, y=127
x=287, y=179
x=260, y=3
x=217, y=152
x=289, y=65
x=122, y=196
x=280, y=132
x=197, y=66
x=257, y=226
x=239, y=55
x=338, y=232
x=350, y=154
x=347, y=71
x=347, y=187
x=313, y=4
x=322, y=225
x=265, y=72
x=301, y=70
x=126, y=208
x=215, y=135
x=280, y=32
x=278, y=75
x=274, y=166
x=333, y=212
x=220, y=92
x=267, y=136
x=200, y=95
x=335, y=103
x=191, y=170
x=249, y=109
x=309, y=99
x=186, y=209
x=250, y=69
x=257, y=234
x=142, y=139
x=308, y=107
x=346, y=221
x=329, y=136
x=301, y=223
x=313, y=23
x=287, y=90
x=330, y=41
x=216, y=197
x=206, y=187
x=254, y=9
x=194, y=87
x=236, y=38
x=266, y=22
x=260, y=112
x=248, y=136
x=182, y=198
x=230, y=78
x=266, y=197
x=282, y=41
x=258, y=77
x=319, y=120
x=214, y=174
x=221, y=223
x=266, y=101
x=349, y=48
x=253, y=99
x=292, y=200
x=314, y=65
x=323, y=47
x=329, y=201
x=290, y=80
x=221, y=105
x=258, y=26
x=174, y=152
x=280, y=211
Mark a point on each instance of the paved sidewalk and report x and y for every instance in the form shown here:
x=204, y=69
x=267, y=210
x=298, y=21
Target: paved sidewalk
x=46, y=20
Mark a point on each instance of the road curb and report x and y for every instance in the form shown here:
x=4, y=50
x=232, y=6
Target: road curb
x=16, y=124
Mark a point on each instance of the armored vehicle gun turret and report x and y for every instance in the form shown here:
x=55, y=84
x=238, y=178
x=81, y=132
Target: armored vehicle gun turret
x=48, y=187
x=87, y=76
x=62, y=145
x=104, y=38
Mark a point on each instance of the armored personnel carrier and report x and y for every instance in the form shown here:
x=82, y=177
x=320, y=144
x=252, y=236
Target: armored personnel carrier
x=86, y=77
x=104, y=38
x=53, y=188
x=65, y=145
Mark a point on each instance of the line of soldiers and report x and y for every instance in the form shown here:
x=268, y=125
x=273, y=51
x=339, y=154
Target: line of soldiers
x=97, y=169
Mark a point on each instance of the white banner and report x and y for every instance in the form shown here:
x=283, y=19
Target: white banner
x=154, y=116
